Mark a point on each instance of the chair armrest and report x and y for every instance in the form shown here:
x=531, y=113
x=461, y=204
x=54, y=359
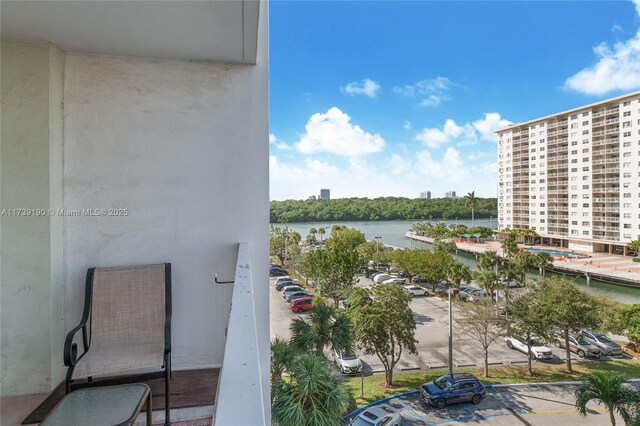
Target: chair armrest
x=71, y=349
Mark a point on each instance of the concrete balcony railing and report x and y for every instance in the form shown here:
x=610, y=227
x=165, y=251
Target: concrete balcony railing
x=240, y=397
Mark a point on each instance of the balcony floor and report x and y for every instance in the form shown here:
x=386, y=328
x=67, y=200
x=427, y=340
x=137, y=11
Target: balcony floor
x=192, y=395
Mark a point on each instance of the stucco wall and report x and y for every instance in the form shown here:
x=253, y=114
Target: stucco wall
x=183, y=147
x=31, y=178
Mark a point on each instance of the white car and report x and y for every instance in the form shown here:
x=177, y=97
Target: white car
x=538, y=350
x=347, y=362
x=379, y=415
x=381, y=277
x=285, y=278
x=415, y=290
x=394, y=280
x=288, y=289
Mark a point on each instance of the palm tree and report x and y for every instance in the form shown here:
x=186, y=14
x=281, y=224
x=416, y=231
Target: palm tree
x=326, y=327
x=321, y=231
x=282, y=356
x=542, y=261
x=457, y=272
x=606, y=389
x=488, y=260
x=312, y=396
x=471, y=202
x=488, y=280
x=509, y=246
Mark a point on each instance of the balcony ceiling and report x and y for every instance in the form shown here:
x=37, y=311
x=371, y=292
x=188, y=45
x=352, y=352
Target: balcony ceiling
x=223, y=31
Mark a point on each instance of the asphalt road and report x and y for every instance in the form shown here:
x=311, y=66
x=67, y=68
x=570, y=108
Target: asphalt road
x=432, y=321
x=512, y=405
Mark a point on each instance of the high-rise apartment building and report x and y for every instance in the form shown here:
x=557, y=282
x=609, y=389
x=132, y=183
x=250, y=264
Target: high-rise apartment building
x=325, y=194
x=426, y=195
x=450, y=194
x=574, y=177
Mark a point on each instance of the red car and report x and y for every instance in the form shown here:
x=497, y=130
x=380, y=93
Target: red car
x=300, y=305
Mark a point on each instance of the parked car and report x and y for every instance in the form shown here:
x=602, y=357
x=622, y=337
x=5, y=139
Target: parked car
x=297, y=294
x=418, y=279
x=290, y=288
x=347, y=362
x=467, y=296
x=452, y=388
x=379, y=278
x=394, y=280
x=607, y=346
x=579, y=345
x=378, y=415
x=277, y=272
x=301, y=305
x=477, y=292
x=415, y=290
x=281, y=285
x=538, y=350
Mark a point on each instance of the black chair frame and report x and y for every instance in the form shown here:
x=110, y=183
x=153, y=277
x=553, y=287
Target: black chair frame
x=71, y=357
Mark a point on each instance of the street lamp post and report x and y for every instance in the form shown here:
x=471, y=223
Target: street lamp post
x=490, y=222
x=377, y=249
x=450, y=334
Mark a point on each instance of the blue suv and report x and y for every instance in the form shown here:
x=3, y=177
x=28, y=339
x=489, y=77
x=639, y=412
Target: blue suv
x=452, y=388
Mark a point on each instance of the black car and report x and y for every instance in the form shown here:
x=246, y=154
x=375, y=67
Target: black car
x=418, y=279
x=277, y=272
x=451, y=388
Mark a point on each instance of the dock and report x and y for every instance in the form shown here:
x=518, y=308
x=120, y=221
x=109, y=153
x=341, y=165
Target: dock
x=615, y=269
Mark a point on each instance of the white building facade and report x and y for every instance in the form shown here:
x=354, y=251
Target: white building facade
x=574, y=177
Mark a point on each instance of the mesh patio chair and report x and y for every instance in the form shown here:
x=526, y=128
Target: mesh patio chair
x=126, y=328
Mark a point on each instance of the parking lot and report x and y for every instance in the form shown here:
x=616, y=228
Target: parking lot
x=532, y=405
x=431, y=316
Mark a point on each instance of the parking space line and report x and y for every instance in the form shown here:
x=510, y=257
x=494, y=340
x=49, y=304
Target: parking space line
x=415, y=413
x=470, y=418
x=518, y=416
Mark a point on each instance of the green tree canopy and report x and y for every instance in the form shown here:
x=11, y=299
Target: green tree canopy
x=384, y=326
x=565, y=306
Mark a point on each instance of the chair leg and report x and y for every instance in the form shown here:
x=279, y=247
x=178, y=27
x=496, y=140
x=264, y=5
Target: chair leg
x=149, y=411
x=167, y=394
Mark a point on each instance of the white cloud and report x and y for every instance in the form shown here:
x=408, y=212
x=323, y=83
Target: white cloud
x=365, y=87
x=407, y=125
x=487, y=126
x=395, y=175
x=616, y=28
x=434, y=137
x=433, y=91
x=272, y=138
x=333, y=133
x=466, y=134
x=617, y=68
x=431, y=101
x=284, y=146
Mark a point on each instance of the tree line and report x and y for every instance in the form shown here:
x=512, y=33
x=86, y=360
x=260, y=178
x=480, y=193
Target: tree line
x=384, y=208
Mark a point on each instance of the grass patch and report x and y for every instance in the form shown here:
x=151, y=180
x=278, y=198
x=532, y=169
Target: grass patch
x=374, y=385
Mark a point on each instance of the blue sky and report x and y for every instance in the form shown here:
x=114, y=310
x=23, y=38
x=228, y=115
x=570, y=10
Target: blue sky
x=376, y=98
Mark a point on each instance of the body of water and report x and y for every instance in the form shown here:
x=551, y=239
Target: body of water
x=393, y=232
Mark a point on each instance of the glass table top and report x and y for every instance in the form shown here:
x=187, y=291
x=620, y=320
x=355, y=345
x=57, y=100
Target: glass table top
x=111, y=405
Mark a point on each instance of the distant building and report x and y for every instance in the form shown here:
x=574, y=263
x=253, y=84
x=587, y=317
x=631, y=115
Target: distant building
x=426, y=194
x=450, y=194
x=325, y=194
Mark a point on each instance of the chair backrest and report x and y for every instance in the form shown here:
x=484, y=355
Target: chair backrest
x=128, y=307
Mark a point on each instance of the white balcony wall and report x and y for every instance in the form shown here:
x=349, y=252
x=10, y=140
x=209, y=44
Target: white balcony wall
x=182, y=146
x=30, y=245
